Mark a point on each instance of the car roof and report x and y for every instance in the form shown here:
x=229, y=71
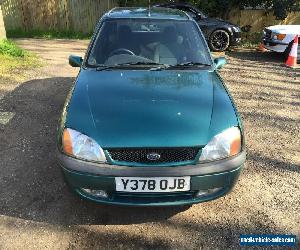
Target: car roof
x=142, y=12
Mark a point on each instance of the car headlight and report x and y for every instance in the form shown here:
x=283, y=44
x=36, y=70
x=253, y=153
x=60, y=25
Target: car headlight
x=279, y=37
x=81, y=146
x=236, y=29
x=225, y=144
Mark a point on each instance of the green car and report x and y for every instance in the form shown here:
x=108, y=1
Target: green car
x=149, y=121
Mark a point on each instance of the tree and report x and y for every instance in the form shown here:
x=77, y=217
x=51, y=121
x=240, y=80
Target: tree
x=222, y=7
x=283, y=7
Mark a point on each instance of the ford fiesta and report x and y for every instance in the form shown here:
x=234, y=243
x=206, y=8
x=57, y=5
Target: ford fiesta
x=149, y=121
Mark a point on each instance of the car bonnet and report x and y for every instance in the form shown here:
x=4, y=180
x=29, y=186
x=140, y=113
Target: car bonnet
x=149, y=108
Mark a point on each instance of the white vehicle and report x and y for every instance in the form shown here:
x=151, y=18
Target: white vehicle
x=279, y=38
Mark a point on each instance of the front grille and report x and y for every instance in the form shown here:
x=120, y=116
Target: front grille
x=268, y=34
x=139, y=155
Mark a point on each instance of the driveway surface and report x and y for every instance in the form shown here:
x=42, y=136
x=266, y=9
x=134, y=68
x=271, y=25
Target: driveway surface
x=38, y=211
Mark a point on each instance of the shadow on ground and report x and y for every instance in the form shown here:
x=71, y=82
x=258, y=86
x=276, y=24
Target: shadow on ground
x=31, y=183
x=32, y=187
x=257, y=56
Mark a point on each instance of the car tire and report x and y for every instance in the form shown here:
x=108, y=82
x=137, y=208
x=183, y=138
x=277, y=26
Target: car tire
x=219, y=40
x=287, y=50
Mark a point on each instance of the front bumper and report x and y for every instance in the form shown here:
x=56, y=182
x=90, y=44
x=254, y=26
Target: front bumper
x=273, y=45
x=236, y=38
x=220, y=175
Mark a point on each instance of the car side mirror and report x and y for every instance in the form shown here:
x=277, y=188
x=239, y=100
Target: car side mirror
x=198, y=16
x=220, y=62
x=75, y=61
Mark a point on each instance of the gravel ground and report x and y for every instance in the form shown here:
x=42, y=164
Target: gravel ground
x=38, y=211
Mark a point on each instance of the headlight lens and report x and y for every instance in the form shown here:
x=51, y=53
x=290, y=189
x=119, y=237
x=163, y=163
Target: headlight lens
x=81, y=146
x=236, y=29
x=225, y=144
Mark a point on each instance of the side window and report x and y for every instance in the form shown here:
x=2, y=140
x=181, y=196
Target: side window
x=104, y=44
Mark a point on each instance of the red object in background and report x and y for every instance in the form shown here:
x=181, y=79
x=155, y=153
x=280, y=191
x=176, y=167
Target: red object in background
x=261, y=48
x=292, y=59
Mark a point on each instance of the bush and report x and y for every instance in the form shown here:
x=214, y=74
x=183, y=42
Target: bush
x=11, y=49
x=222, y=8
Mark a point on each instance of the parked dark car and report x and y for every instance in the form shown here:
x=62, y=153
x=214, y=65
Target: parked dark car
x=220, y=34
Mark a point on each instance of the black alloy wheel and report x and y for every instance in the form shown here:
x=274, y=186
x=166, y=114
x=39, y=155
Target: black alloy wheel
x=219, y=40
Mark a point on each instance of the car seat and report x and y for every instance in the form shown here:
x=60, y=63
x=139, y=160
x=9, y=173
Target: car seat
x=167, y=51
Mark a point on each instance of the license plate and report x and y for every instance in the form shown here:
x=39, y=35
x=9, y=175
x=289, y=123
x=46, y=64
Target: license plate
x=152, y=184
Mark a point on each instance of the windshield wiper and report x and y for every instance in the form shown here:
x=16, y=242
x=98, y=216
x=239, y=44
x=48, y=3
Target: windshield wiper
x=124, y=65
x=180, y=66
x=187, y=65
x=157, y=66
x=140, y=63
x=106, y=67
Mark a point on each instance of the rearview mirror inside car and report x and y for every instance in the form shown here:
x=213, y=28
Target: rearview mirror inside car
x=220, y=62
x=75, y=61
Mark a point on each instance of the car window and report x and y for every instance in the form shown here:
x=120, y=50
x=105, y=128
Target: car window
x=170, y=42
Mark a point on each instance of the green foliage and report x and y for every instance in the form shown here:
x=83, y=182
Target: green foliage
x=221, y=8
x=283, y=7
x=9, y=48
x=14, y=61
x=250, y=40
x=49, y=34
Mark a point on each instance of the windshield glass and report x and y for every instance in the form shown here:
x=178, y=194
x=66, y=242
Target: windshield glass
x=144, y=41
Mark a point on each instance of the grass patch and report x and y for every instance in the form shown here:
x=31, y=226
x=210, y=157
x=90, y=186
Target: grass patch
x=50, y=34
x=9, y=48
x=14, y=61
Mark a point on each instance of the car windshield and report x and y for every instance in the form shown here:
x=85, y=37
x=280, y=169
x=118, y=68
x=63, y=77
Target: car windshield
x=148, y=42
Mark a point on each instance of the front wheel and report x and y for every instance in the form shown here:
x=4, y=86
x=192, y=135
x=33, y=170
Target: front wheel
x=219, y=40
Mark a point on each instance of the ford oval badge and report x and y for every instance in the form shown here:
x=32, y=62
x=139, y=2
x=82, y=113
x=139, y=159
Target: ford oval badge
x=153, y=156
